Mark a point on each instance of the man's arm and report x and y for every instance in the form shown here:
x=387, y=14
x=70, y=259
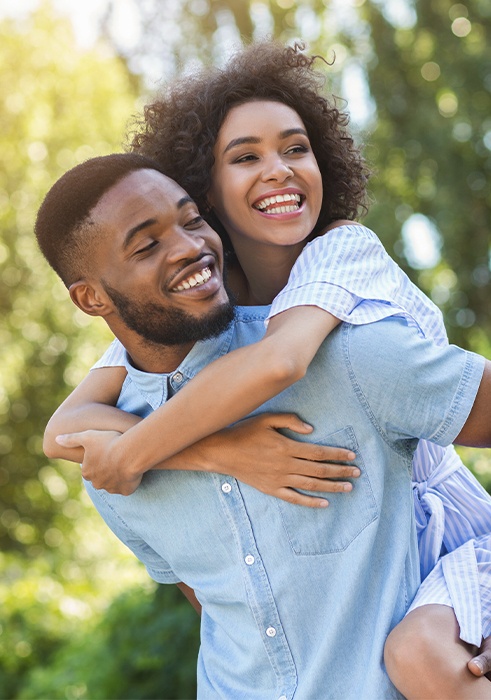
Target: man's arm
x=477, y=428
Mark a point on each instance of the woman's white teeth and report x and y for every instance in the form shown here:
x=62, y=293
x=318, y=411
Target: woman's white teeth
x=195, y=280
x=269, y=202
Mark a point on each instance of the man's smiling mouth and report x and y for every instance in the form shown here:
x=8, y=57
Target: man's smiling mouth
x=195, y=280
x=279, y=204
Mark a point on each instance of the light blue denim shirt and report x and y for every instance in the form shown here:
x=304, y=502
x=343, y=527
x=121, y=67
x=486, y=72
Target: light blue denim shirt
x=297, y=603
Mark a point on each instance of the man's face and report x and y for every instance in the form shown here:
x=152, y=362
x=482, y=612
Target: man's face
x=159, y=262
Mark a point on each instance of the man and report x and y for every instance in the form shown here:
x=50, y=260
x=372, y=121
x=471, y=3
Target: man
x=285, y=592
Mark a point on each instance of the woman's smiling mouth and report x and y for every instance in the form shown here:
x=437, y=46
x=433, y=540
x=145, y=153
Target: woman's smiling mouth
x=279, y=204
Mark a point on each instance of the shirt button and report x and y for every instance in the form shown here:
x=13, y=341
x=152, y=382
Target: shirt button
x=283, y=697
x=249, y=559
x=226, y=488
x=177, y=377
x=271, y=632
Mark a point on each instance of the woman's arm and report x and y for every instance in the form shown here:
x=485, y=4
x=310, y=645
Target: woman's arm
x=90, y=405
x=250, y=376
x=254, y=451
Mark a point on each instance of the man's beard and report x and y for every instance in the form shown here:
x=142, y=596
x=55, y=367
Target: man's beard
x=169, y=326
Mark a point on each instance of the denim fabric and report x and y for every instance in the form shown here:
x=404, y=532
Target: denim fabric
x=298, y=602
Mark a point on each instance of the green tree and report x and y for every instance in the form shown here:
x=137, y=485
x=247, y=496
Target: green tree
x=431, y=146
x=60, y=105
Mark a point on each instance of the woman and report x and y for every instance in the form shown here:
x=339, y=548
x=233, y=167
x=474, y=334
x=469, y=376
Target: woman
x=283, y=170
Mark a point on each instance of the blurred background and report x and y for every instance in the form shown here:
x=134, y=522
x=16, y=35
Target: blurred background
x=79, y=617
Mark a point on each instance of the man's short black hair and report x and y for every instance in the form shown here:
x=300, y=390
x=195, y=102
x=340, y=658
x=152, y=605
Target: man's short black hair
x=64, y=228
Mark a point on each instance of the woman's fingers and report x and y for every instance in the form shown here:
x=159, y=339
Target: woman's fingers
x=322, y=453
x=319, y=470
x=301, y=499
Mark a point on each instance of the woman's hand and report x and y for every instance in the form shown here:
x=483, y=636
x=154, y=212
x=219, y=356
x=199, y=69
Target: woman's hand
x=257, y=454
x=102, y=464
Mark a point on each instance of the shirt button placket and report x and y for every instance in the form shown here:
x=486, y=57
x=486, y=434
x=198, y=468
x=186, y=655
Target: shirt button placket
x=264, y=610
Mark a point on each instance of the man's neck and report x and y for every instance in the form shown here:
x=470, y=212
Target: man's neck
x=152, y=357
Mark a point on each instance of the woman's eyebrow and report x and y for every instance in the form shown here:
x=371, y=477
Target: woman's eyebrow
x=241, y=140
x=291, y=132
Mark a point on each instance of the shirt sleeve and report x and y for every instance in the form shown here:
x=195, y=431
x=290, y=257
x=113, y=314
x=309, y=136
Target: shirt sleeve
x=156, y=566
x=409, y=386
x=348, y=273
x=114, y=356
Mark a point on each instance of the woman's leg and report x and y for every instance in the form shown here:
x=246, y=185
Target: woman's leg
x=425, y=658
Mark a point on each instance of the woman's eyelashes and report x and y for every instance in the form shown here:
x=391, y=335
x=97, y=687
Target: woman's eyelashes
x=244, y=159
x=290, y=151
x=300, y=148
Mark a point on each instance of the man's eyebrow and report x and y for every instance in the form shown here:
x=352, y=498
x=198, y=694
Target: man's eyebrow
x=185, y=200
x=254, y=139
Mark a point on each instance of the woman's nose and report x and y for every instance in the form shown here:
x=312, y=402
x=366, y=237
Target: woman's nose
x=277, y=169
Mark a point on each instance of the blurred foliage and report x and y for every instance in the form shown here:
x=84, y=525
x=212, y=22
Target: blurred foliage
x=431, y=146
x=79, y=617
x=123, y=655
x=60, y=106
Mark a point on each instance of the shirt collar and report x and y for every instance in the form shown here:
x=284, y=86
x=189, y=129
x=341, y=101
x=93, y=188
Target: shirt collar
x=156, y=388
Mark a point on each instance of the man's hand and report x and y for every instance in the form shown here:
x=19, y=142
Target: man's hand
x=257, y=454
x=481, y=665
x=100, y=464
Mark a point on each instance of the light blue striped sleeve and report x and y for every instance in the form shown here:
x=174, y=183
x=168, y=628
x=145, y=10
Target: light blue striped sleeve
x=348, y=273
x=115, y=356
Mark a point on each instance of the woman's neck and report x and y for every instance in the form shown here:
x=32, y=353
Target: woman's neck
x=266, y=271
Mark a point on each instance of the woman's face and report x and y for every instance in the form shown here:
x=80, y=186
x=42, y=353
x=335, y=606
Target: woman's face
x=266, y=184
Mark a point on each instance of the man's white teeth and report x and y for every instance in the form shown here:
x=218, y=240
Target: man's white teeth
x=195, y=280
x=267, y=202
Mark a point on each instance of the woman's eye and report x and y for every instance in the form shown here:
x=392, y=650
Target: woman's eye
x=298, y=149
x=247, y=158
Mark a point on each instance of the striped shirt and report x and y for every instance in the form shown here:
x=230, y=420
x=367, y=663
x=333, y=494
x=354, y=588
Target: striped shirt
x=348, y=272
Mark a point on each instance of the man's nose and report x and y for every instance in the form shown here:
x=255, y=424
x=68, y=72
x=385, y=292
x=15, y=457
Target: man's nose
x=184, y=245
x=277, y=169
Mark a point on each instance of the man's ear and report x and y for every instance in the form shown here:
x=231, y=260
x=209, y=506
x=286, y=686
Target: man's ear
x=89, y=299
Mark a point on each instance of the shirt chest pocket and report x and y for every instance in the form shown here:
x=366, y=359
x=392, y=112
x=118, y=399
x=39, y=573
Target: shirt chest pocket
x=333, y=529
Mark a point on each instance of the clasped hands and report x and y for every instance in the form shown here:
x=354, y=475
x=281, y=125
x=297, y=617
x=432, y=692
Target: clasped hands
x=102, y=464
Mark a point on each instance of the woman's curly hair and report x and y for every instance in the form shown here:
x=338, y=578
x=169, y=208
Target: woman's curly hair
x=181, y=127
